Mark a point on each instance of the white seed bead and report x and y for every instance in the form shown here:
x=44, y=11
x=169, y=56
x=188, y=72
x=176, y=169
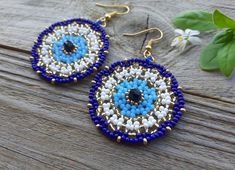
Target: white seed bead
x=106, y=105
x=146, y=125
x=111, y=112
x=163, y=101
x=83, y=63
x=129, y=122
x=157, y=113
x=161, y=108
x=60, y=32
x=160, y=116
x=114, y=117
x=154, y=121
x=153, y=79
x=150, y=124
x=168, y=101
x=54, y=67
x=64, y=70
x=144, y=121
x=137, y=127
x=121, y=119
x=83, y=31
x=107, y=113
x=136, y=123
x=115, y=121
x=46, y=60
x=119, y=123
x=131, y=127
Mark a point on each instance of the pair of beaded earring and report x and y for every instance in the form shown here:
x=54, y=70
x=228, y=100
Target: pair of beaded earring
x=132, y=101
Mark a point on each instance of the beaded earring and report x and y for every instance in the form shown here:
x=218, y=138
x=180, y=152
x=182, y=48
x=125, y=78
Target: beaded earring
x=70, y=50
x=136, y=100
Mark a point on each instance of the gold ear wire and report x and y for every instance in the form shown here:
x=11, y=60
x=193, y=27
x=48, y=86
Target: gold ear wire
x=148, y=47
x=126, y=7
x=108, y=16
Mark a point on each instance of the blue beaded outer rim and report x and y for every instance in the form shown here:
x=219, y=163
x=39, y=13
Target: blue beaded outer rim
x=96, y=26
x=113, y=135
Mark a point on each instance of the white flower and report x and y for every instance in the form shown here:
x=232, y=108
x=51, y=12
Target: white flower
x=185, y=37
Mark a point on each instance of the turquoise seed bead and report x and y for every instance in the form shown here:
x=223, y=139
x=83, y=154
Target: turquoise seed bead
x=59, y=54
x=131, y=110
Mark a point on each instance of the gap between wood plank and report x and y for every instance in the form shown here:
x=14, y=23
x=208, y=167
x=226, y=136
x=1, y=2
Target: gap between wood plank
x=14, y=49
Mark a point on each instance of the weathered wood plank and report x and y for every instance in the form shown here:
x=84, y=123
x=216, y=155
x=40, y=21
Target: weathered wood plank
x=51, y=124
x=48, y=127
x=25, y=19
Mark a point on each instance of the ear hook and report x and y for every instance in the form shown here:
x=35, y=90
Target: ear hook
x=108, y=16
x=148, y=47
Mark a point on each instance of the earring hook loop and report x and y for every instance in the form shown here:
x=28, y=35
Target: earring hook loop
x=108, y=16
x=148, y=47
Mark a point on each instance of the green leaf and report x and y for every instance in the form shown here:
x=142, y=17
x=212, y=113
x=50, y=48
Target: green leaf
x=223, y=37
x=222, y=21
x=209, y=55
x=226, y=58
x=196, y=20
x=208, y=58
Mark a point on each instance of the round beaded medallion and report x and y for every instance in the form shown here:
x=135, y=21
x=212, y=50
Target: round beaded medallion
x=70, y=50
x=135, y=101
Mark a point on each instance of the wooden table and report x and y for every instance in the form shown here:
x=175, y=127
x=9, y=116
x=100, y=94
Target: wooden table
x=48, y=127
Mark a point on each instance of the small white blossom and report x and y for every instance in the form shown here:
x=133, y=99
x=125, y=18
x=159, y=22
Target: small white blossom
x=185, y=37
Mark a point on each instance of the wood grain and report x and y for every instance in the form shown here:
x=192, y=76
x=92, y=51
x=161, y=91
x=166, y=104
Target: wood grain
x=48, y=127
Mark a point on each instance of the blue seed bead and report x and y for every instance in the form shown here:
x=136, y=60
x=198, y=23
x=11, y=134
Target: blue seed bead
x=142, y=108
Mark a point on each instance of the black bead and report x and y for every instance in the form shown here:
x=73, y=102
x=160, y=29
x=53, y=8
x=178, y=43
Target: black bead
x=135, y=95
x=69, y=47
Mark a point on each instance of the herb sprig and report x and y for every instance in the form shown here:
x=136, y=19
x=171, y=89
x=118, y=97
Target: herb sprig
x=220, y=52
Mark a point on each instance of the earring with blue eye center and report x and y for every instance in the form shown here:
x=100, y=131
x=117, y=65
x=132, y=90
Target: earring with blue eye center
x=136, y=100
x=71, y=50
